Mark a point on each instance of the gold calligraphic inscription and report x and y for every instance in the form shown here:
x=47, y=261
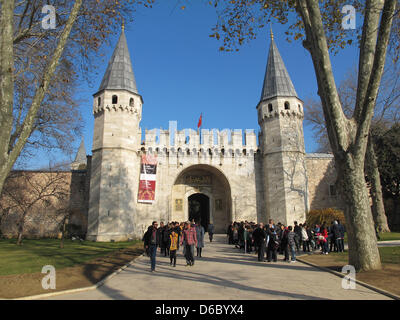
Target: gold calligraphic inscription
x=218, y=204
x=198, y=180
x=178, y=204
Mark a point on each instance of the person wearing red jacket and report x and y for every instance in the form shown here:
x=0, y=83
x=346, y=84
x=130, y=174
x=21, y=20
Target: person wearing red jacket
x=189, y=237
x=323, y=239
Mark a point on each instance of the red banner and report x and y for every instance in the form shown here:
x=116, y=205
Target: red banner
x=147, y=181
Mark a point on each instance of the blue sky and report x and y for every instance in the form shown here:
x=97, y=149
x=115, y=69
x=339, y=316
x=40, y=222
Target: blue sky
x=180, y=72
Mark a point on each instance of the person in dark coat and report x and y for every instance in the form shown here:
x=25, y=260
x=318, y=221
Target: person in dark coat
x=338, y=233
x=272, y=245
x=297, y=231
x=210, y=230
x=332, y=237
x=280, y=232
x=285, y=244
x=247, y=238
x=240, y=235
x=229, y=232
x=310, y=235
x=146, y=249
x=151, y=241
x=166, y=239
x=259, y=236
x=160, y=231
x=341, y=240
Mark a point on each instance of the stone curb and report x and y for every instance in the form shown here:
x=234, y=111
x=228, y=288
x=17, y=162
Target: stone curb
x=95, y=286
x=342, y=275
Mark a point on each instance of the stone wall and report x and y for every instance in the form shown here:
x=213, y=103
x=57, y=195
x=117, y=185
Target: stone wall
x=321, y=175
x=238, y=186
x=238, y=170
x=228, y=155
x=44, y=217
x=24, y=192
x=79, y=198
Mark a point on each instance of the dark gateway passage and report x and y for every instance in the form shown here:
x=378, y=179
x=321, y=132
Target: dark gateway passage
x=199, y=209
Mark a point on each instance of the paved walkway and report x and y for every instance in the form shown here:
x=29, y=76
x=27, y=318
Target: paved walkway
x=223, y=273
x=391, y=243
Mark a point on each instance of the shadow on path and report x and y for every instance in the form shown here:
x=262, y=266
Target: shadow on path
x=214, y=280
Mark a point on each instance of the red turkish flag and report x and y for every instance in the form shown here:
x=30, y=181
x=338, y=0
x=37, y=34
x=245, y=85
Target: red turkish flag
x=200, y=119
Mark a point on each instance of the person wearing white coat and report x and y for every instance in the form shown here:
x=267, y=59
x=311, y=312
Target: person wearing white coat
x=304, y=238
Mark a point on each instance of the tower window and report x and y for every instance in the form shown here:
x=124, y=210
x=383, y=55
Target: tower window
x=114, y=99
x=131, y=102
x=299, y=108
x=99, y=101
x=270, y=107
x=287, y=106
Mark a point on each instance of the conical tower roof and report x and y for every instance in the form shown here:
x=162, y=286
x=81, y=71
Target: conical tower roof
x=81, y=154
x=119, y=74
x=277, y=81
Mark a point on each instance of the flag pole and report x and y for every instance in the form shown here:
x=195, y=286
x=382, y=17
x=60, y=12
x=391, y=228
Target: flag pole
x=199, y=124
x=201, y=115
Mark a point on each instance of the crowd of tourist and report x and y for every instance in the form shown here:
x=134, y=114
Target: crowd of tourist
x=270, y=240
x=171, y=236
x=267, y=241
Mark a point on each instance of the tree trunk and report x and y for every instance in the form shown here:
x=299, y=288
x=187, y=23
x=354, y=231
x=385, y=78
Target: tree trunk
x=2, y=214
x=348, y=137
x=378, y=210
x=363, y=248
x=6, y=84
x=8, y=157
x=63, y=227
x=20, y=233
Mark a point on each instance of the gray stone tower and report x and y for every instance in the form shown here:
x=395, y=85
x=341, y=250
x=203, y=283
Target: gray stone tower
x=280, y=116
x=117, y=110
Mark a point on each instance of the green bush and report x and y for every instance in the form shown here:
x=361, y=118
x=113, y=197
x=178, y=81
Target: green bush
x=328, y=214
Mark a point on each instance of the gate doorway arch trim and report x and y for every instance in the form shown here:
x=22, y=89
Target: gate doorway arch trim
x=224, y=184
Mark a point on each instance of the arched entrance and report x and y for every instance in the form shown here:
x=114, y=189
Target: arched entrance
x=199, y=209
x=208, y=188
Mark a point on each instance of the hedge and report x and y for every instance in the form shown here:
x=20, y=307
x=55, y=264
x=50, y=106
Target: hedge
x=328, y=215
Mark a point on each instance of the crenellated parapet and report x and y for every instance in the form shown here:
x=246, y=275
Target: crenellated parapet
x=214, y=142
x=115, y=108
